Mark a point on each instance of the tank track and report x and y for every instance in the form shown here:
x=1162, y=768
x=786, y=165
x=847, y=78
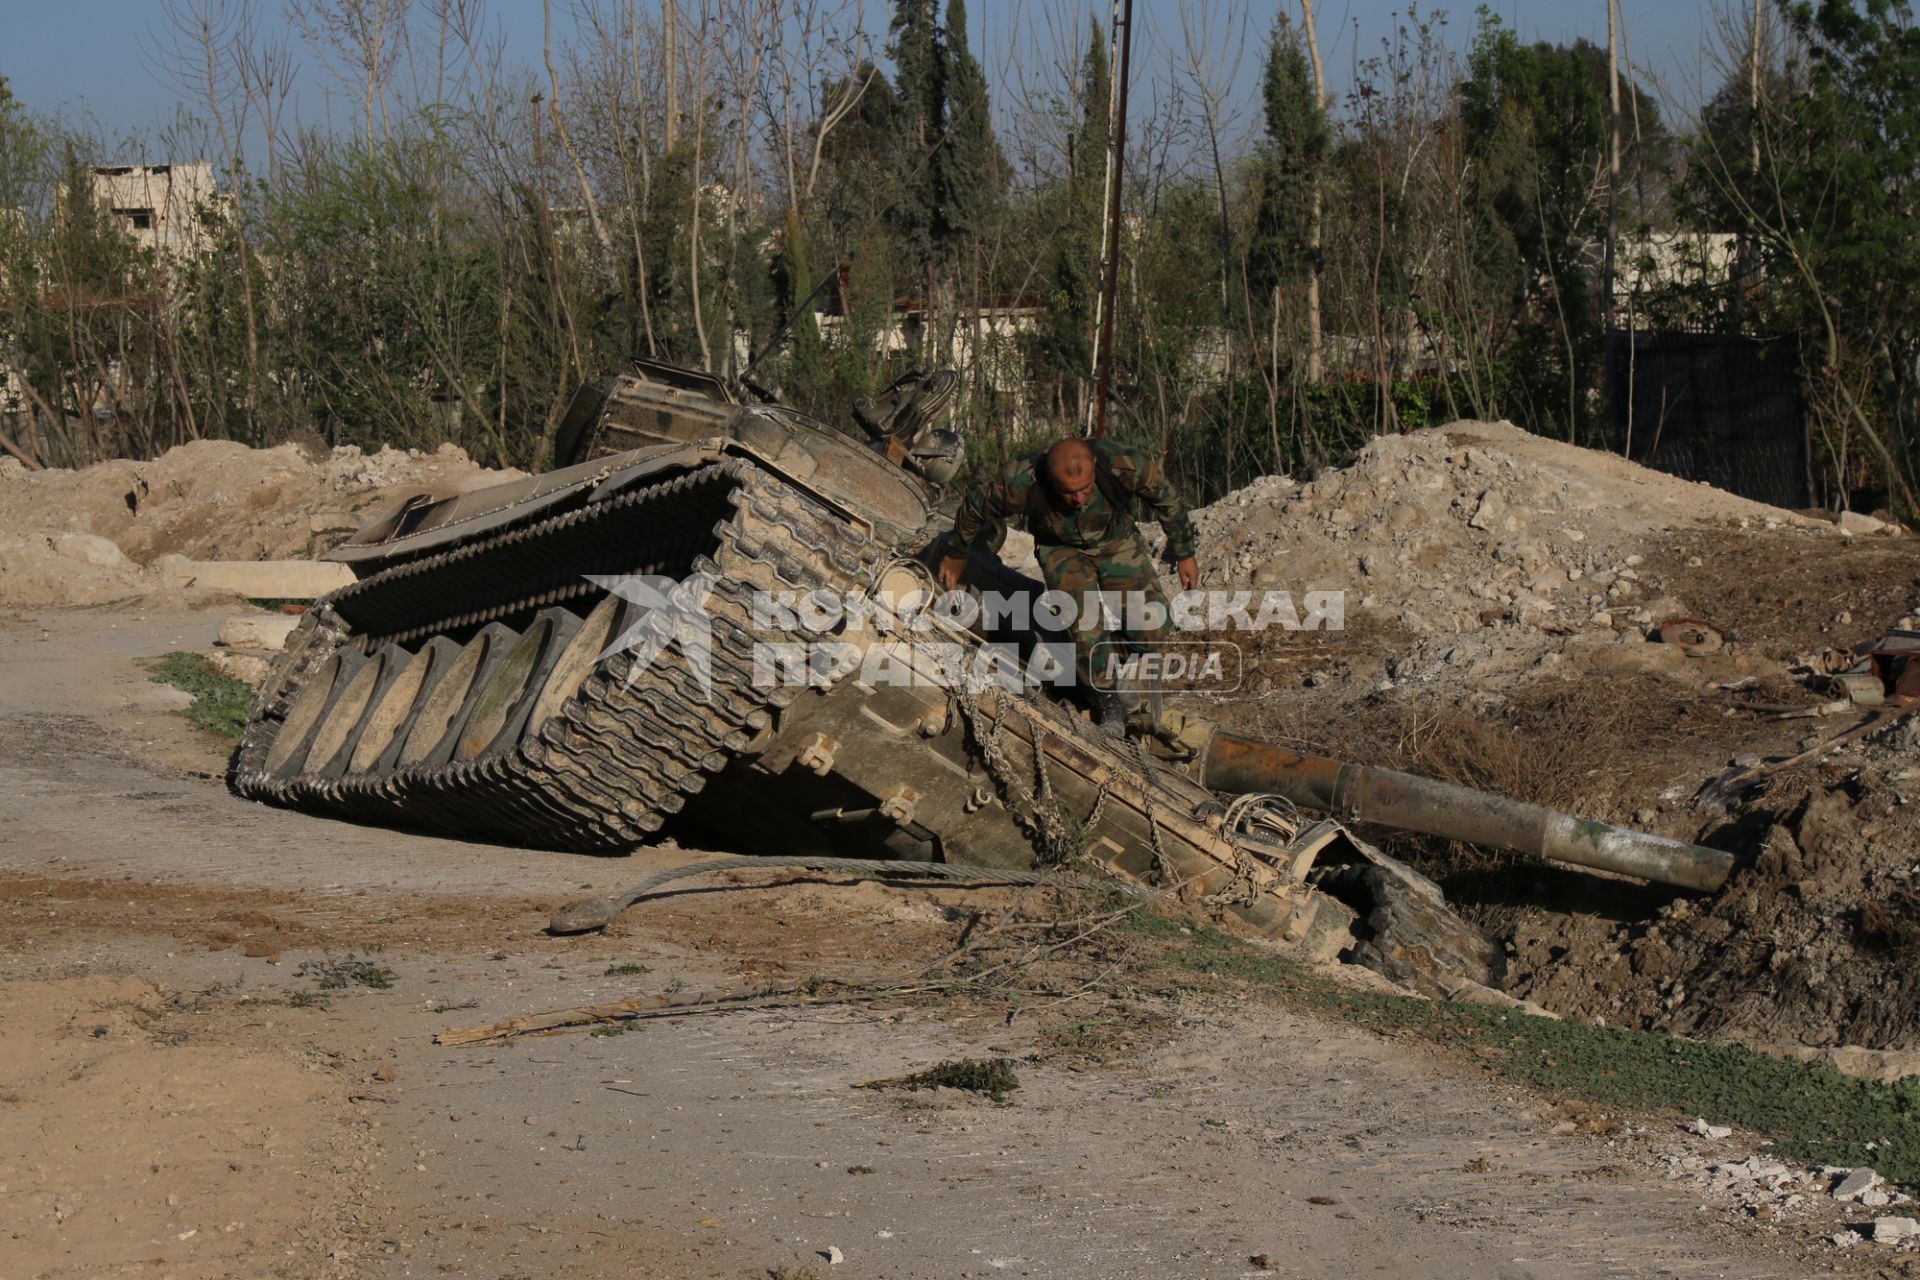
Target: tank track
x=631, y=742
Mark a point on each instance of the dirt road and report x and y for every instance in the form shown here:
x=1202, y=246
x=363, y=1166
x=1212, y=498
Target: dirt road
x=185, y=1091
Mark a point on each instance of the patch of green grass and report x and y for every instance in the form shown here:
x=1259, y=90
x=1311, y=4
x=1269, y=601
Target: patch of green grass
x=608, y=1033
x=220, y=703
x=1812, y=1111
x=627, y=970
x=1104, y=1036
x=993, y=1077
x=266, y=605
x=337, y=974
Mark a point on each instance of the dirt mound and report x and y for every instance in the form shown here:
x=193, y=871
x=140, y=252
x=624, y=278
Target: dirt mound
x=219, y=500
x=1813, y=942
x=86, y=537
x=1501, y=589
x=1446, y=530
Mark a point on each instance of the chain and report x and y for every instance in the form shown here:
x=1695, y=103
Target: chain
x=1162, y=865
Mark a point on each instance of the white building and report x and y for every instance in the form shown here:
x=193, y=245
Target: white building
x=163, y=207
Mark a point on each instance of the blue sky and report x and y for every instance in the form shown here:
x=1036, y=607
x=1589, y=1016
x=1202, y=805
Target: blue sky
x=83, y=57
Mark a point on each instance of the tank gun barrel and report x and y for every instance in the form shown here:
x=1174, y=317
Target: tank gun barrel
x=1233, y=763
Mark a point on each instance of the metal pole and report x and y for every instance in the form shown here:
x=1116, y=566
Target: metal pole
x=1110, y=238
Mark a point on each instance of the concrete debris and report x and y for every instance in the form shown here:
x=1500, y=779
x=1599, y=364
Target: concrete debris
x=1855, y=525
x=1483, y=544
x=247, y=668
x=1856, y=1183
x=1705, y=1130
x=91, y=549
x=254, y=579
x=1892, y=1229
x=263, y=633
x=1762, y=1189
x=833, y=1255
x=1755, y=1171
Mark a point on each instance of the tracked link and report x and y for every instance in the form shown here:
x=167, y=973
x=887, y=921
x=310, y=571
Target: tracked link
x=626, y=747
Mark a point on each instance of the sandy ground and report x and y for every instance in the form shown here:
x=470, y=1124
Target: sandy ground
x=179, y=1098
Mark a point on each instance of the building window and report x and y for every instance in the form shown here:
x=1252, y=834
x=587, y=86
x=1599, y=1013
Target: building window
x=136, y=219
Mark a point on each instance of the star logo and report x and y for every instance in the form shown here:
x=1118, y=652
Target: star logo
x=666, y=612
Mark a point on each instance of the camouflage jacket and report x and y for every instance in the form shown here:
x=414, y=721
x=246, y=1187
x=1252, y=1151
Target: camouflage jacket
x=1133, y=475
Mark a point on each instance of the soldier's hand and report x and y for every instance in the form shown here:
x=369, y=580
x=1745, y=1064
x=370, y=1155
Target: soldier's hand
x=951, y=567
x=1189, y=573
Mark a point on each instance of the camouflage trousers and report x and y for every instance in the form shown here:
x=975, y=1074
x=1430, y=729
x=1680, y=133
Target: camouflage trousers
x=1120, y=575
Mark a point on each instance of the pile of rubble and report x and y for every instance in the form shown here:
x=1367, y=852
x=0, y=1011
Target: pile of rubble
x=1770, y=1191
x=1812, y=943
x=1446, y=530
x=123, y=528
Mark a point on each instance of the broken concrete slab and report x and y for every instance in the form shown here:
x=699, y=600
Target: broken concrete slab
x=1854, y=524
x=261, y=632
x=1855, y=1184
x=255, y=579
x=93, y=549
x=248, y=668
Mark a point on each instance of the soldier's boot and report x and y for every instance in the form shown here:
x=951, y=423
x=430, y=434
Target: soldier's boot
x=1110, y=711
x=1145, y=710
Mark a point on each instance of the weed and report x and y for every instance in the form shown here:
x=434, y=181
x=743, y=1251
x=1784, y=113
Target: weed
x=221, y=704
x=793, y=1273
x=627, y=970
x=1102, y=1036
x=608, y=1033
x=675, y=987
x=331, y=974
x=306, y=1000
x=269, y=605
x=993, y=1077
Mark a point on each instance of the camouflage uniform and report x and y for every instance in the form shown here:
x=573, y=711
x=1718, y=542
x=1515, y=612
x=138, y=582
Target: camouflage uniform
x=1095, y=549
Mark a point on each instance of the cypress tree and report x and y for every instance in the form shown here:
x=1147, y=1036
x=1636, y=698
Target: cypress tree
x=973, y=171
x=919, y=86
x=1292, y=159
x=1061, y=346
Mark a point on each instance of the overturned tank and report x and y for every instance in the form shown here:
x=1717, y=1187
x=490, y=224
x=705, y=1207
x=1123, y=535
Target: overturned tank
x=719, y=610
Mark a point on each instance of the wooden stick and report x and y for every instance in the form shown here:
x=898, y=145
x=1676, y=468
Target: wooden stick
x=649, y=1007
x=1872, y=724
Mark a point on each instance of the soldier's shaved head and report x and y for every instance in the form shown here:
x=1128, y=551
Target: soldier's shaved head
x=1070, y=471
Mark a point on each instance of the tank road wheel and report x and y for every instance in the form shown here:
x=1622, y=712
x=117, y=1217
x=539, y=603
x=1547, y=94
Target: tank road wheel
x=443, y=712
x=393, y=715
x=572, y=665
x=500, y=707
x=288, y=755
x=340, y=732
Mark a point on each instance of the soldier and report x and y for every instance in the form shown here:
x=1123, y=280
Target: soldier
x=1078, y=500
